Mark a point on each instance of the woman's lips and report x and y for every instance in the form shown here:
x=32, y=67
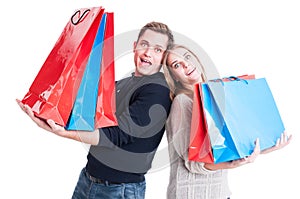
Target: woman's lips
x=189, y=73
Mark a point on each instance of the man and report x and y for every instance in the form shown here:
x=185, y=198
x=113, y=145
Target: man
x=120, y=156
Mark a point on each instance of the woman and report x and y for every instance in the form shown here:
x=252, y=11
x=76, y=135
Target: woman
x=190, y=179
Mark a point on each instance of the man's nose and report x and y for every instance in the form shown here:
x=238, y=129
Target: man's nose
x=147, y=51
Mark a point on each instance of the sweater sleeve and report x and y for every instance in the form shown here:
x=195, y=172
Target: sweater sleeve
x=144, y=117
x=178, y=127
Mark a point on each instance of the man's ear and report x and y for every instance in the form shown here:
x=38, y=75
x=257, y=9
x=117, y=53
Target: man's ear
x=134, y=46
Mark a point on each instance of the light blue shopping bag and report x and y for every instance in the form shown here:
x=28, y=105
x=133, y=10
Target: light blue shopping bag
x=242, y=111
x=83, y=113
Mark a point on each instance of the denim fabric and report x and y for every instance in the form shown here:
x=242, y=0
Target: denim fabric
x=86, y=189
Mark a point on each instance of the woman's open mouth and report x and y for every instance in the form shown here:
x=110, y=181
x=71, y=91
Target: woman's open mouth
x=190, y=72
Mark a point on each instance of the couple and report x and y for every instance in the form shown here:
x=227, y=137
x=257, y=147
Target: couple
x=120, y=156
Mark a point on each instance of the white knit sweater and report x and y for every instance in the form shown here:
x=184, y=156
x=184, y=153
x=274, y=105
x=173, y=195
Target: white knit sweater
x=189, y=179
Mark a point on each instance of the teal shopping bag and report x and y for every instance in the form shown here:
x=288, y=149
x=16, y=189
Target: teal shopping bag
x=242, y=111
x=83, y=113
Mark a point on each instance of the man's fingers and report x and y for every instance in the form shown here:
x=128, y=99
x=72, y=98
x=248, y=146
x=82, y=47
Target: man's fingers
x=21, y=105
x=51, y=123
x=29, y=111
x=55, y=127
x=25, y=108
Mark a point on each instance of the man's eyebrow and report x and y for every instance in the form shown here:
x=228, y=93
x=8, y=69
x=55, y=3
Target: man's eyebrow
x=145, y=41
x=156, y=45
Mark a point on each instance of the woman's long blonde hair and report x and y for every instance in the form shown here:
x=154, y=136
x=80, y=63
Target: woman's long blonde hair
x=175, y=86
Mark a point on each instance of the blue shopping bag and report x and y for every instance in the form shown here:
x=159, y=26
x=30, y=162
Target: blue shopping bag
x=242, y=111
x=83, y=113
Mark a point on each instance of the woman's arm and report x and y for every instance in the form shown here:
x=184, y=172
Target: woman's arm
x=236, y=163
x=283, y=141
x=179, y=124
x=178, y=130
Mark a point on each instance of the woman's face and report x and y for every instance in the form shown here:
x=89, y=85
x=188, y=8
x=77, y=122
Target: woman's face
x=184, y=66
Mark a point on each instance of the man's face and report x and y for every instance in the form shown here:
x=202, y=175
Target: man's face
x=148, y=52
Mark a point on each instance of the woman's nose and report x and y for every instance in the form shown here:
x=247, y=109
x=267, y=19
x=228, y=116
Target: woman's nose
x=184, y=64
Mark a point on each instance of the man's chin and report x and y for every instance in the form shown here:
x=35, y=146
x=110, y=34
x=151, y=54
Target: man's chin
x=146, y=71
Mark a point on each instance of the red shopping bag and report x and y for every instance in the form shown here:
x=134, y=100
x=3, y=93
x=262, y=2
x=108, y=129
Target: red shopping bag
x=200, y=149
x=53, y=91
x=106, y=102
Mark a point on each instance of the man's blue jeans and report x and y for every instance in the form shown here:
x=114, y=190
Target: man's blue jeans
x=87, y=189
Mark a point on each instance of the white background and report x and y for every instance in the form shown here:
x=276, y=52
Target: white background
x=260, y=37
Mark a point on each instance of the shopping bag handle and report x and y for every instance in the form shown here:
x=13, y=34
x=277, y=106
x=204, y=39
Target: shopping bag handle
x=235, y=78
x=230, y=78
x=80, y=17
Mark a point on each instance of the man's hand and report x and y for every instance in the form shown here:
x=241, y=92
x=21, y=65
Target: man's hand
x=49, y=125
x=41, y=123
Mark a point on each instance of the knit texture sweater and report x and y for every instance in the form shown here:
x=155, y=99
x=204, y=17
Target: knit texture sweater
x=189, y=179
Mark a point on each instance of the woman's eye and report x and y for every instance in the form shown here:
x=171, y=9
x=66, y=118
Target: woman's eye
x=158, y=50
x=187, y=57
x=177, y=65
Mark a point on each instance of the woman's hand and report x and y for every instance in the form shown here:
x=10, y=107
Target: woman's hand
x=236, y=163
x=248, y=159
x=283, y=141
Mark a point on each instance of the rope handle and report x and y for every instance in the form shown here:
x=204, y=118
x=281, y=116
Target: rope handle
x=80, y=17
